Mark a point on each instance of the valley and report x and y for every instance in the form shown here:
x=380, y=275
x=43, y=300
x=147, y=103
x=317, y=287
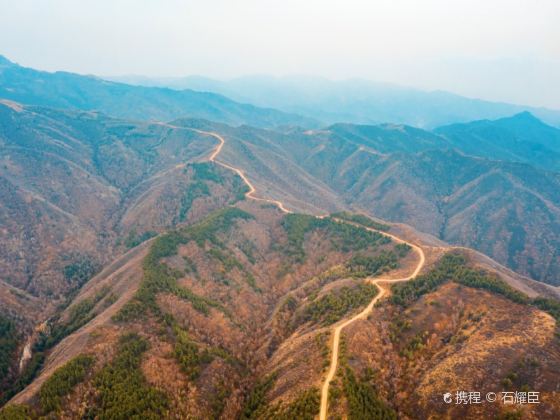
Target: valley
x=407, y=175
x=165, y=292
x=177, y=254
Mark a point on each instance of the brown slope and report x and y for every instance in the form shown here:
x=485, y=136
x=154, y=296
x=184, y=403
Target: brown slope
x=471, y=340
x=72, y=183
x=78, y=189
x=506, y=210
x=205, y=331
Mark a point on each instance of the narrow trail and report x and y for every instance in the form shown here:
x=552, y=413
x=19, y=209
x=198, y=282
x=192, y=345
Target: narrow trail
x=362, y=315
x=376, y=281
x=252, y=190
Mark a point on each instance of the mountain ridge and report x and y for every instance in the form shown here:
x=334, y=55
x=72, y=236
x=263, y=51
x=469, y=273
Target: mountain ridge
x=198, y=269
x=70, y=90
x=104, y=328
x=431, y=188
x=355, y=100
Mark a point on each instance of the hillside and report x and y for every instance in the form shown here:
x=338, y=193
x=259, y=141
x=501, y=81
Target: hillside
x=509, y=211
x=279, y=238
x=189, y=269
x=229, y=311
x=521, y=138
x=78, y=189
x=88, y=93
x=231, y=318
x=214, y=287
x=440, y=334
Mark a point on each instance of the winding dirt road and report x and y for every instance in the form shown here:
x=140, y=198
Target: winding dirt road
x=362, y=315
x=376, y=281
x=252, y=190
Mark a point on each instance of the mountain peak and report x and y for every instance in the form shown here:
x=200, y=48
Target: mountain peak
x=522, y=119
x=525, y=116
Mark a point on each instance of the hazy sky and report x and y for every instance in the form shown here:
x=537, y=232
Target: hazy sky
x=494, y=49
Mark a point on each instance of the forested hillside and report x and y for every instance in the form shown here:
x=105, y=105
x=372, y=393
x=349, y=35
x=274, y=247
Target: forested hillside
x=507, y=210
x=248, y=265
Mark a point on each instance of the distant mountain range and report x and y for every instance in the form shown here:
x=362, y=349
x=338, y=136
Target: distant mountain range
x=353, y=101
x=441, y=185
x=89, y=93
x=147, y=269
x=521, y=138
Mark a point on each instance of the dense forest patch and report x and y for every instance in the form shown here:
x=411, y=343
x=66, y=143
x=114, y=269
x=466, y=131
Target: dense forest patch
x=453, y=267
x=365, y=266
x=123, y=390
x=62, y=381
x=345, y=237
x=363, y=401
x=256, y=400
x=361, y=220
x=15, y=412
x=9, y=338
x=333, y=306
x=134, y=239
x=79, y=270
x=304, y=407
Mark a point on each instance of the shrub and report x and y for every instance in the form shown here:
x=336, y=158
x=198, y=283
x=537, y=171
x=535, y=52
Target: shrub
x=15, y=412
x=551, y=306
x=333, y=306
x=361, y=220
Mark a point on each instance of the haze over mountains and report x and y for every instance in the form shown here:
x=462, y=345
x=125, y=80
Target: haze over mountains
x=342, y=165
x=67, y=90
x=521, y=138
x=147, y=270
x=354, y=101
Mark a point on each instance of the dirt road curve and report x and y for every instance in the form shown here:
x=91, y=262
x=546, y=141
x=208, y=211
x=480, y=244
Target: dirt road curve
x=338, y=328
x=250, y=194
